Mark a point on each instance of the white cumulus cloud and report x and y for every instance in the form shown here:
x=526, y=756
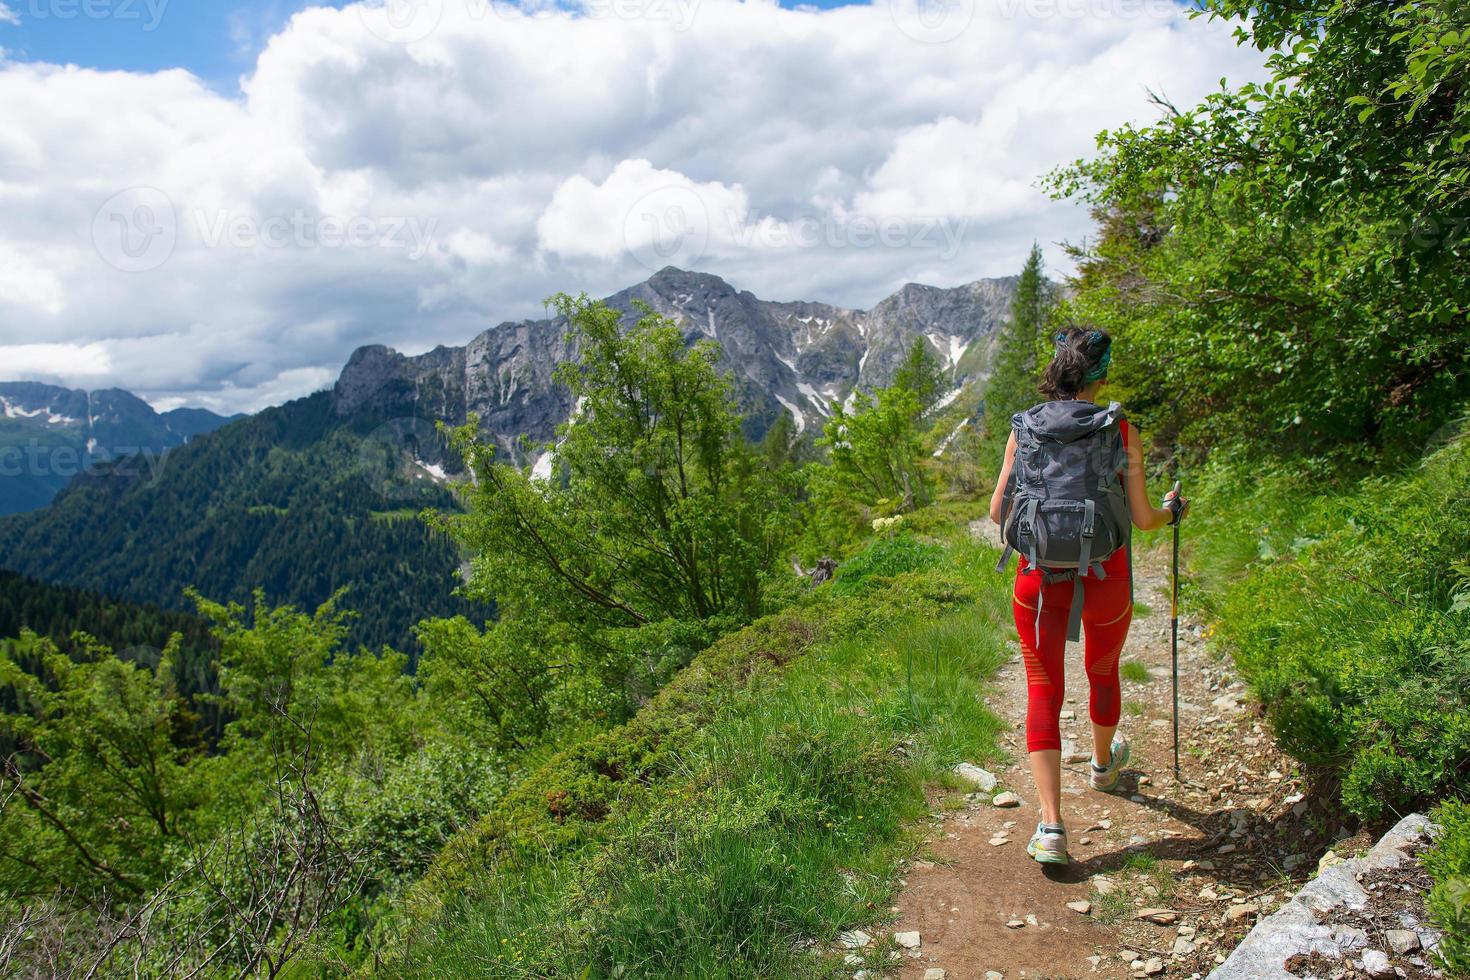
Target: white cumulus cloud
x=412, y=173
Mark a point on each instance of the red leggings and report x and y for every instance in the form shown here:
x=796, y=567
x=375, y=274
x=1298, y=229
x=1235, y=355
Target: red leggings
x=1107, y=609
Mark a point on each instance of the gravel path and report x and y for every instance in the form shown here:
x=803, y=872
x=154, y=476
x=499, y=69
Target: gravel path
x=1172, y=873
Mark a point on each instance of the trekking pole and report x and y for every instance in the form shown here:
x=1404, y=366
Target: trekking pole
x=1174, y=505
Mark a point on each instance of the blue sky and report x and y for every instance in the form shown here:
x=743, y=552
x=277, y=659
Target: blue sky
x=215, y=39
x=218, y=40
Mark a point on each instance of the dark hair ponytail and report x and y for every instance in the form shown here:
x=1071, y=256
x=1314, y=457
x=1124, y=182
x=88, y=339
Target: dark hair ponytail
x=1082, y=356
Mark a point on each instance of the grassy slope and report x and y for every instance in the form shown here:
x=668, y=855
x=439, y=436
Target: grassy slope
x=761, y=799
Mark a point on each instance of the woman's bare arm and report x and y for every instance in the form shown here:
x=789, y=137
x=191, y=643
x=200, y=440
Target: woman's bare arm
x=998, y=497
x=1145, y=515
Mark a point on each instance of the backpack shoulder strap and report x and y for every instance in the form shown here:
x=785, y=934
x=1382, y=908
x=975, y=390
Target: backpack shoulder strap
x=1008, y=497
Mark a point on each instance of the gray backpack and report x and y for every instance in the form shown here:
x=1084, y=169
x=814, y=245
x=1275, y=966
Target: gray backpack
x=1064, y=506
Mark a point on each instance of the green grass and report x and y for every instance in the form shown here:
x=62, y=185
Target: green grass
x=1140, y=861
x=1111, y=908
x=749, y=806
x=1134, y=671
x=1141, y=609
x=1134, y=708
x=1142, y=870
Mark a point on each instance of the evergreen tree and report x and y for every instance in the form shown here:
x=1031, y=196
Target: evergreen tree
x=1012, y=384
x=920, y=374
x=778, y=447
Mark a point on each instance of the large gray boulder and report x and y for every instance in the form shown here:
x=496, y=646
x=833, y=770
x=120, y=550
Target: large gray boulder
x=1312, y=922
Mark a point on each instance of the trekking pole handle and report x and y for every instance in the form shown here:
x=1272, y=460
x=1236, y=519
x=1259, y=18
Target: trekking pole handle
x=1174, y=503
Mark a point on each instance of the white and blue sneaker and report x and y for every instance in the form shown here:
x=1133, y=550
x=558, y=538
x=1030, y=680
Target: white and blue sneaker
x=1105, y=778
x=1049, y=844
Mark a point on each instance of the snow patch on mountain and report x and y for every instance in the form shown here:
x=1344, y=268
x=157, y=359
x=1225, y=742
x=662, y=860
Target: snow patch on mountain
x=947, y=400
x=14, y=411
x=815, y=397
x=796, y=414
x=945, y=442
x=546, y=463
x=951, y=348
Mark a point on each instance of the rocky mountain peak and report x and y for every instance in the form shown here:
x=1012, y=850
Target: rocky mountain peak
x=804, y=358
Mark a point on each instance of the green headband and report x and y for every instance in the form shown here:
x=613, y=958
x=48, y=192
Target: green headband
x=1100, y=369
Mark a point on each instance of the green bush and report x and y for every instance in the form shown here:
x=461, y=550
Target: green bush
x=1352, y=621
x=882, y=560
x=1449, y=901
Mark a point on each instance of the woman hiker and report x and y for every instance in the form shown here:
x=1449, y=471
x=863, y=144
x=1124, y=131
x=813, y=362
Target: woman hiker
x=1080, y=483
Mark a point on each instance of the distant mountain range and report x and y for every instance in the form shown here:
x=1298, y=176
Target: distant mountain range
x=48, y=435
x=798, y=357
x=322, y=493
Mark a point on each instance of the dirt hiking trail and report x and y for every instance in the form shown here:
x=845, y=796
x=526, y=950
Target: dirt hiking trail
x=1173, y=873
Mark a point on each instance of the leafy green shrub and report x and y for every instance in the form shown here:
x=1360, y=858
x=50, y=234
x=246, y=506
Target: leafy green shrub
x=1353, y=627
x=1449, y=902
x=883, y=559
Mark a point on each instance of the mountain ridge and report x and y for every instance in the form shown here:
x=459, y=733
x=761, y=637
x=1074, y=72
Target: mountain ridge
x=798, y=356
x=50, y=434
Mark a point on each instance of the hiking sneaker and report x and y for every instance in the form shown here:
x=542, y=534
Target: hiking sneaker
x=1105, y=778
x=1049, y=844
